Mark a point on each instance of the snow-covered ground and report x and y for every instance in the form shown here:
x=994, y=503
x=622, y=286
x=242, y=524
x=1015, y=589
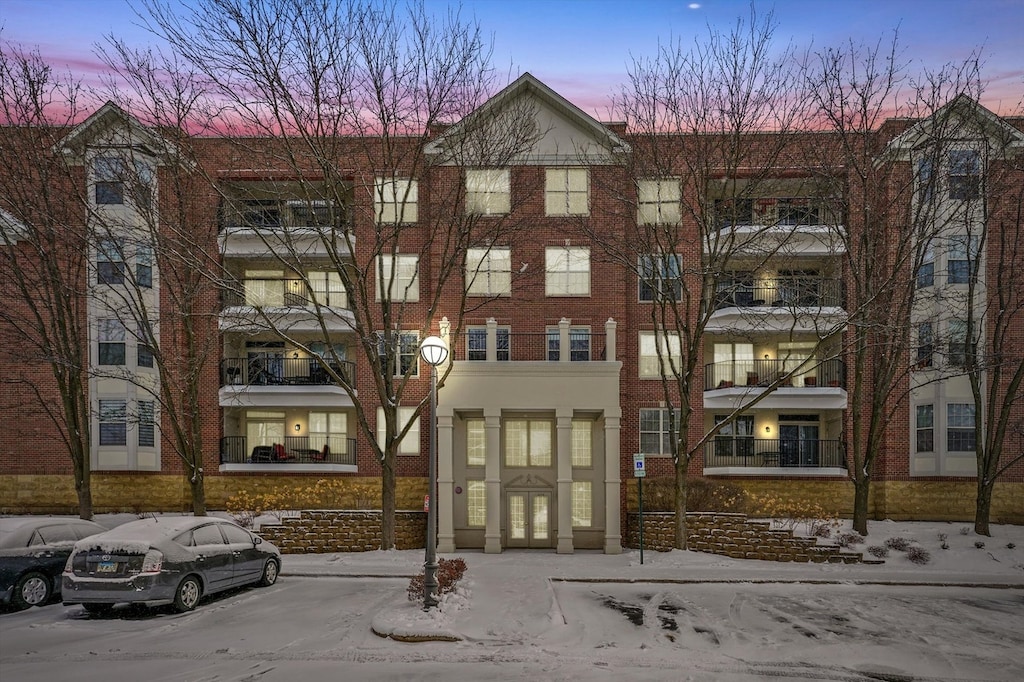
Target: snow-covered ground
x=585, y=616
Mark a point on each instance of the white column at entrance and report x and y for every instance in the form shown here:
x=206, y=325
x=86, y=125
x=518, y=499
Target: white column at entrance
x=563, y=418
x=445, y=483
x=492, y=481
x=612, y=485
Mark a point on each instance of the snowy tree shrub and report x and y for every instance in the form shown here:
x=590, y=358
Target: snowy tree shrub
x=899, y=544
x=878, y=551
x=918, y=555
x=1010, y=545
x=965, y=530
x=449, y=573
x=847, y=539
x=979, y=544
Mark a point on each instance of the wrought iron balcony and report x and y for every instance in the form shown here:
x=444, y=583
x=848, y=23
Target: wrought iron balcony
x=269, y=370
x=793, y=373
x=745, y=451
x=802, y=292
x=294, y=450
x=584, y=346
x=285, y=293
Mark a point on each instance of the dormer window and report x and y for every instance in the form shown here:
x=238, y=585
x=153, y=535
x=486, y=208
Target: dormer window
x=110, y=175
x=964, y=174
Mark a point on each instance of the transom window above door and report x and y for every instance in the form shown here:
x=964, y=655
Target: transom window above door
x=528, y=443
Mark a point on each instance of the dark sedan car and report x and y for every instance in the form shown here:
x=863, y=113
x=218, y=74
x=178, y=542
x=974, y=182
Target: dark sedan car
x=33, y=551
x=167, y=560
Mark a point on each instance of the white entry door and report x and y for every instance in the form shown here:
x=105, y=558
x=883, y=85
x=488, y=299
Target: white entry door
x=528, y=518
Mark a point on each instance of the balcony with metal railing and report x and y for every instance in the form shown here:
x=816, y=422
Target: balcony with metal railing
x=291, y=302
x=795, y=383
x=260, y=226
x=779, y=292
x=732, y=452
x=268, y=370
x=294, y=452
x=565, y=343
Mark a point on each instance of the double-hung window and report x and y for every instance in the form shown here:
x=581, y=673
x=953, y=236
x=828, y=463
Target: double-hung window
x=735, y=439
x=925, y=344
x=328, y=429
x=399, y=276
x=110, y=172
x=147, y=424
x=962, y=259
x=656, y=431
x=113, y=422
x=960, y=427
x=566, y=191
x=489, y=271
x=964, y=174
x=111, y=336
x=925, y=180
x=328, y=289
x=110, y=266
x=660, y=277
x=396, y=201
x=657, y=201
x=528, y=443
x=959, y=343
x=659, y=354
x=410, y=444
x=405, y=353
x=926, y=270
x=488, y=191
x=144, y=266
x=567, y=271
x=925, y=428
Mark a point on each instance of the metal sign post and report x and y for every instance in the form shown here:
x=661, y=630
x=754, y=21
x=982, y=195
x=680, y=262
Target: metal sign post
x=639, y=473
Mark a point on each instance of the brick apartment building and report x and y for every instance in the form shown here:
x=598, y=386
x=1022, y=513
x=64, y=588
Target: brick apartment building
x=557, y=347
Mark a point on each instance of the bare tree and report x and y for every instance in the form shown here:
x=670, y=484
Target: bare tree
x=710, y=126
x=43, y=224
x=865, y=98
x=327, y=111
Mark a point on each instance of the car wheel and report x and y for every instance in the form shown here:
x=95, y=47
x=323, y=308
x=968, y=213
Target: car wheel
x=188, y=594
x=269, y=576
x=98, y=609
x=32, y=589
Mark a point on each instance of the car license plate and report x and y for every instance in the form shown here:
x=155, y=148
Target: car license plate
x=106, y=567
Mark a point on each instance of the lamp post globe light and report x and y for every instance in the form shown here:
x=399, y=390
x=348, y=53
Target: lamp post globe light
x=434, y=352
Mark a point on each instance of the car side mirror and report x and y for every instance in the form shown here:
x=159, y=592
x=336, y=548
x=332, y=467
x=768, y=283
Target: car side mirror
x=256, y=540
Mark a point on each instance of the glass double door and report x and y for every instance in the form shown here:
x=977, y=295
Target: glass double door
x=528, y=518
x=798, y=445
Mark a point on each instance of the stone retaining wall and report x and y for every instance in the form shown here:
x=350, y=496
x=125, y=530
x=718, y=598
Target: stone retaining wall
x=316, y=532
x=732, y=535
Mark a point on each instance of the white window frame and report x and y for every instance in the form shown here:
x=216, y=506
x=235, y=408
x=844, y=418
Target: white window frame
x=488, y=191
x=658, y=201
x=406, y=281
x=566, y=191
x=330, y=428
x=113, y=411
x=147, y=423
x=111, y=332
x=582, y=444
x=537, y=443
x=567, y=271
x=489, y=271
x=660, y=277
x=665, y=434
x=960, y=417
x=582, y=504
x=648, y=359
x=476, y=503
x=410, y=444
x=924, y=421
x=396, y=201
x=476, y=443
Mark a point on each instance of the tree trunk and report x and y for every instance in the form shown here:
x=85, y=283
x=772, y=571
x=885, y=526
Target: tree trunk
x=983, y=508
x=861, y=489
x=83, y=490
x=388, y=503
x=197, y=485
x=681, y=490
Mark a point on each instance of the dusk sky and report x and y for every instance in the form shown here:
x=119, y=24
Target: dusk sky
x=581, y=48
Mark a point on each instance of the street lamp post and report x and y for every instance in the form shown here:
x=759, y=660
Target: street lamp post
x=434, y=352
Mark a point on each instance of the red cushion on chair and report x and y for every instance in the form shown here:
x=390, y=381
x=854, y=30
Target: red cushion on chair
x=279, y=453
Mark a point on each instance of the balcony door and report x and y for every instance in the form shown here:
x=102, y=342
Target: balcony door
x=798, y=445
x=264, y=288
x=734, y=362
x=528, y=518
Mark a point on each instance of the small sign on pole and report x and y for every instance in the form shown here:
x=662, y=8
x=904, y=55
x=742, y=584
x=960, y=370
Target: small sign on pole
x=639, y=473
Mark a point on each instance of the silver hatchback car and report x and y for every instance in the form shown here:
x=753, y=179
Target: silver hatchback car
x=166, y=560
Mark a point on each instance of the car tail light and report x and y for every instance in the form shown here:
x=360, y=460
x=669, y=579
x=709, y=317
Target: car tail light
x=68, y=565
x=152, y=562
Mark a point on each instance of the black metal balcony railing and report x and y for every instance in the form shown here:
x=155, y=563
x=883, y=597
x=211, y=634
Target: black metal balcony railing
x=272, y=215
x=294, y=450
x=521, y=347
x=284, y=293
x=793, y=373
x=803, y=292
x=275, y=371
x=741, y=451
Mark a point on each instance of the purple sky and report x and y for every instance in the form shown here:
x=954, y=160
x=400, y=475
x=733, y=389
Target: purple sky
x=581, y=47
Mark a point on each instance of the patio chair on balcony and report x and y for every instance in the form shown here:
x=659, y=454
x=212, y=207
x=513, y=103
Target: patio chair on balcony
x=262, y=453
x=282, y=455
